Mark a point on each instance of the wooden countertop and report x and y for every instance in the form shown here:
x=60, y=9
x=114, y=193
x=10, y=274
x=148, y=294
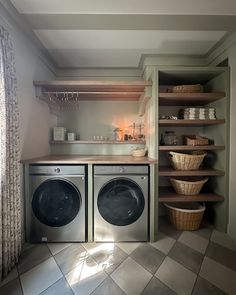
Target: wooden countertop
x=89, y=159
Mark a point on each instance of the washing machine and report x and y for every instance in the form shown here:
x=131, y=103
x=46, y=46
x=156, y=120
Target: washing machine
x=56, y=204
x=121, y=195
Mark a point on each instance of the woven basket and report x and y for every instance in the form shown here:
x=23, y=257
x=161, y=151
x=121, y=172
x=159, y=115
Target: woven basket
x=186, y=186
x=185, y=216
x=181, y=161
x=196, y=140
x=188, y=88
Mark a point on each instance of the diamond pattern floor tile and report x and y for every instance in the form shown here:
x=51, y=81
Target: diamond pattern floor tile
x=32, y=257
x=203, y=287
x=57, y=247
x=222, y=255
x=131, y=277
x=11, y=276
x=188, y=257
x=156, y=287
x=219, y=275
x=176, y=277
x=163, y=243
x=108, y=256
x=61, y=287
x=40, y=277
x=128, y=247
x=223, y=240
x=108, y=287
x=165, y=227
x=70, y=257
x=194, y=241
x=86, y=277
x=149, y=257
x=11, y=288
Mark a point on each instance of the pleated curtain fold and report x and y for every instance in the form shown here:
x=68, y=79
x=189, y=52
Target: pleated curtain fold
x=10, y=200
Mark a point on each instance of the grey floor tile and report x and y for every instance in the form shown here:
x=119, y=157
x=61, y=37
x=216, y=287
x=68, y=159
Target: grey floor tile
x=223, y=240
x=188, y=257
x=57, y=247
x=70, y=257
x=204, y=231
x=203, y=287
x=222, y=255
x=194, y=241
x=165, y=227
x=109, y=258
x=149, y=257
x=219, y=275
x=39, y=278
x=131, y=277
x=32, y=257
x=108, y=287
x=13, y=274
x=163, y=243
x=61, y=287
x=155, y=287
x=11, y=288
x=128, y=247
x=86, y=277
x=176, y=276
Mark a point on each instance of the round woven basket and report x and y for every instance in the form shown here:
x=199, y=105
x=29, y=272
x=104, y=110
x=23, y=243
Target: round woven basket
x=180, y=161
x=186, y=186
x=185, y=216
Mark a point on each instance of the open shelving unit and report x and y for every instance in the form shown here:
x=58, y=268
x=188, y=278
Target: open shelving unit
x=215, y=191
x=97, y=142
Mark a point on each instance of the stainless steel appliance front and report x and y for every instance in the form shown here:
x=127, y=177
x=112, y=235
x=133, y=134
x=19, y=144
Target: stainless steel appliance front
x=121, y=195
x=55, y=209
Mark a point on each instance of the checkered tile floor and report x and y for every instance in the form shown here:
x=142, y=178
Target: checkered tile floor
x=184, y=263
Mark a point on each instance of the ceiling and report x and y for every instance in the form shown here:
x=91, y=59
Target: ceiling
x=111, y=33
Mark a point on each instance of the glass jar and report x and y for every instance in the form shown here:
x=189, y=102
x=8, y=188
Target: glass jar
x=170, y=138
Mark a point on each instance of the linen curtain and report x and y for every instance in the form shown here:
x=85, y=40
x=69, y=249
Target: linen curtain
x=10, y=207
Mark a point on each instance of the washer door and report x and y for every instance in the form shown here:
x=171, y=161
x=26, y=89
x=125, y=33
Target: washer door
x=120, y=201
x=56, y=202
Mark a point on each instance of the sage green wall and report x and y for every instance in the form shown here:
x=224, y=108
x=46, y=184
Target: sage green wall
x=232, y=166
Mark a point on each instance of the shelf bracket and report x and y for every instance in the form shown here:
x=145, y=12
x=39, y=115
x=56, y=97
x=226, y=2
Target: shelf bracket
x=144, y=98
x=53, y=106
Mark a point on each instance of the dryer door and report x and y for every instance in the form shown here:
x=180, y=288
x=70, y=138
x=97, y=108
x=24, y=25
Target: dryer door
x=120, y=201
x=56, y=202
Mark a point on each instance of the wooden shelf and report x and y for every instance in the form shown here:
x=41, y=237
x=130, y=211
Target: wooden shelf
x=95, y=90
x=181, y=122
x=167, y=195
x=168, y=171
x=97, y=142
x=191, y=148
x=189, y=99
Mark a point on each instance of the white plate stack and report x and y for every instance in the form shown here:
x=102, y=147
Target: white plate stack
x=197, y=114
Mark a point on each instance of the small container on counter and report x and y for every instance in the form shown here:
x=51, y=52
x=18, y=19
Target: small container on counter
x=71, y=136
x=59, y=133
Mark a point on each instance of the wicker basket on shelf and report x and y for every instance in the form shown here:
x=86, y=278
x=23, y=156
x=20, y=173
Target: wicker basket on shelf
x=188, y=186
x=185, y=216
x=196, y=140
x=180, y=161
x=195, y=88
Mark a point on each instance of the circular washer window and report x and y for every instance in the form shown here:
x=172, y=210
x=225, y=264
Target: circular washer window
x=56, y=202
x=120, y=201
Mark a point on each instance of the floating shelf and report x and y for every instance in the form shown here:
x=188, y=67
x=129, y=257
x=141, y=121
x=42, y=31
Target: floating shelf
x=97, y=142
x=168, y=171
x=167, y=194
x=181, y=122
x=191, y=147
x=189, y=99
x=67, y=94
